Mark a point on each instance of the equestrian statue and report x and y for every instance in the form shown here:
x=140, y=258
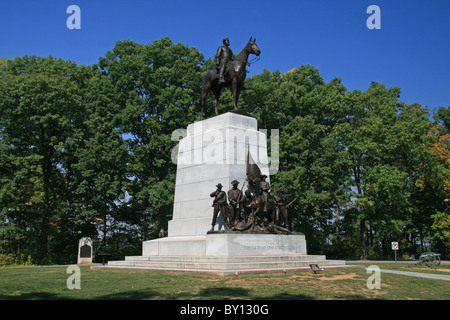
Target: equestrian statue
x=229, y=72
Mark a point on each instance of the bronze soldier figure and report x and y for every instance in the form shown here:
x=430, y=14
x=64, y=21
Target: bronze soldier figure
x=219, y=203
x=264, y=187
x=281, y=207
x=246, y=206
x=234, y=198
x=223, y=55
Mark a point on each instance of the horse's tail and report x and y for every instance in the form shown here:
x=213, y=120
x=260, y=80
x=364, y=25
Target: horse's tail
x=209, y=77
x=204, y=80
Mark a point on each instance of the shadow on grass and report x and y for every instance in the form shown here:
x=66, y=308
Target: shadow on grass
x=131, y=295
x=34, y=296
x=226, y=293
x=223, y=293
x=123, y=295
x=288, y=296
x=218, y=293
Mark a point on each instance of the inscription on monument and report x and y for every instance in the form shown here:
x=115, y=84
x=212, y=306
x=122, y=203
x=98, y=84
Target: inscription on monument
x=85, y=252
x=268, y=247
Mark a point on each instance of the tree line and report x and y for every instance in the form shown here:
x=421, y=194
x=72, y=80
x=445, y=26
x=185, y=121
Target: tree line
x=86, y=151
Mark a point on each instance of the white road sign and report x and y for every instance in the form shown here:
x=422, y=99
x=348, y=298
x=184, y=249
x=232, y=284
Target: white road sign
x=394, y=245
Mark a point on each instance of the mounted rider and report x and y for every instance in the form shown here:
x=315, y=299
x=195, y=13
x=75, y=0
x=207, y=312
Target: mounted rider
x=223, y=55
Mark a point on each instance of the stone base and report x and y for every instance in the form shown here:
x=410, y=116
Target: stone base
x=84, y=261
x=226, y=244
x=224, y=266
x=224, y=254
x=178, y=246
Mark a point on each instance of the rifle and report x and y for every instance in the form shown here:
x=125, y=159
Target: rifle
x=240, y=196
x=292, y=201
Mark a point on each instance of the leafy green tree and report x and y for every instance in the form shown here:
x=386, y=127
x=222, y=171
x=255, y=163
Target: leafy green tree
x=443, y=117
x=38, y=100
x=97, y=156
x=353, y=153
x=308, y=113
x=382, y=141
x=433, y=187
x=157, y=87
x=64, y=160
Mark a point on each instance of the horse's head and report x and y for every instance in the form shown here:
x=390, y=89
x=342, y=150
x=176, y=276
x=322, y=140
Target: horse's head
x=253, y=47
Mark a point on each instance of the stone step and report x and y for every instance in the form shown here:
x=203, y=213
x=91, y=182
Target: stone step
x=227, y=259
x=218, y=272
x=218, y=265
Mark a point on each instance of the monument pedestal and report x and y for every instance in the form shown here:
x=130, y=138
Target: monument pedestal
x=215, y=151
x=224, y=244
x=234, y=244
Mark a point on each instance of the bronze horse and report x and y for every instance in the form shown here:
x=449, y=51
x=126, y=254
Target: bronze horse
x=234, y=76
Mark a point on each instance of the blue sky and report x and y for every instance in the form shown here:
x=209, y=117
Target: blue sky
x=411, y=50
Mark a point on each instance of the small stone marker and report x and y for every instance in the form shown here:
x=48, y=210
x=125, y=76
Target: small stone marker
x=85, y=251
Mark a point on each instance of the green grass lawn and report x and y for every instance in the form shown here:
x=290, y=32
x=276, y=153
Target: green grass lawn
x=34, y=283
x=411, y=267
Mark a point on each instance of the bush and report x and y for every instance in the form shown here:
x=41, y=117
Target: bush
x=9, y=260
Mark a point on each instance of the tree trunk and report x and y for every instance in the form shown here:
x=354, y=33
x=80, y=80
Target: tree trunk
x=338, y=244
x=47, y=154
x=363, y=239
